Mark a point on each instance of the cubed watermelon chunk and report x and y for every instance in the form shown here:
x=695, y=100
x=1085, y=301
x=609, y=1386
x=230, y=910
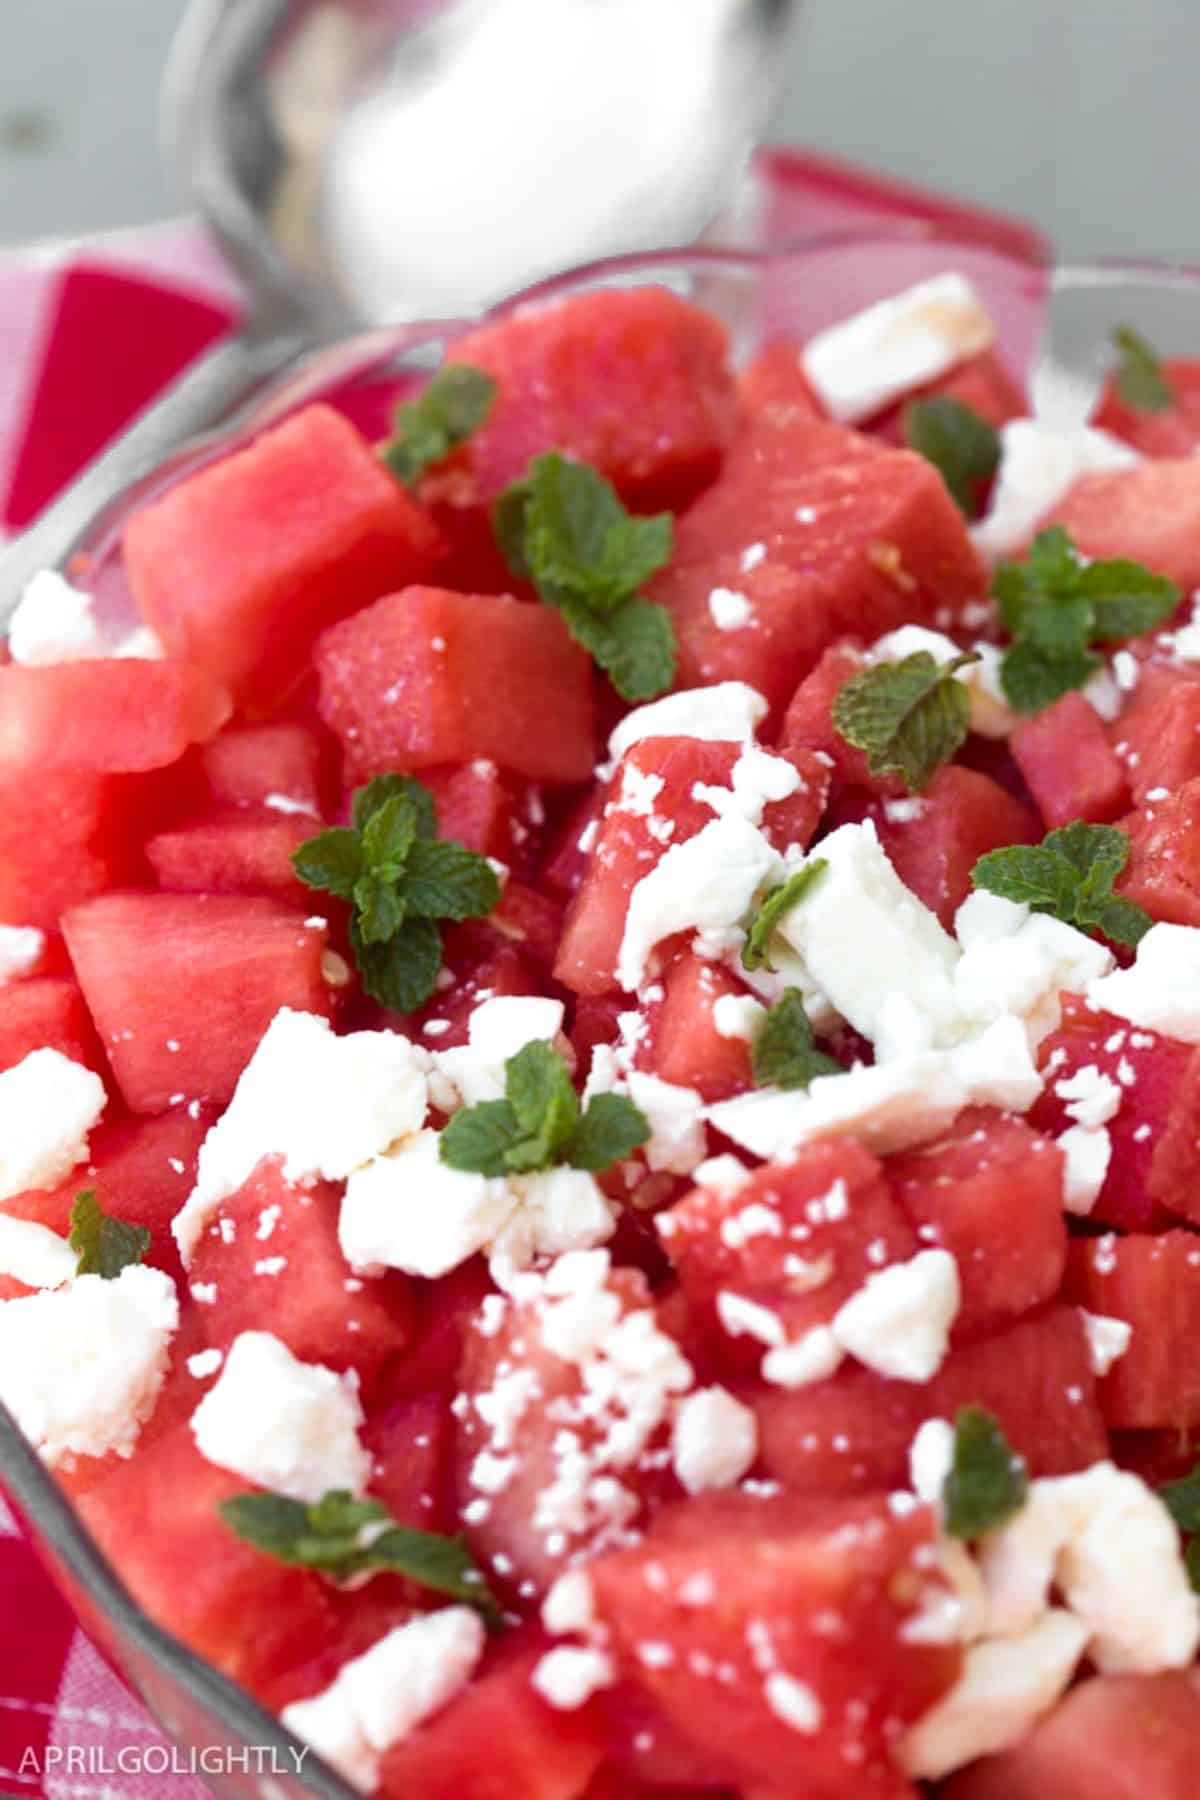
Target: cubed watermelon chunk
x=239, y=566
x=851, y=1434
x=990, y=1192
x=775, y=378
x=799, y=1707
x=1173, y=430
x=239, y=853
x=430, y=676
x=934, y=842
x=1154, y=1284
x=410, y=1438
x=255, y=765
x=1157, y=737
x=479, y=807
x=632, y=380
x=1068, y=765
x=65, y=837
x=685, y=1047
x=1114, y=1737
x=109, y=717
x=183, y=986
x=47, y=1012
x=1150, y=513
x=1163, y=871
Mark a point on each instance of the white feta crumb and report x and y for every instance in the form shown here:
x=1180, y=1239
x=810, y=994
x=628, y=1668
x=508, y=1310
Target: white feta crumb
x=406, y=1209
x=996, y=1066
x=724, y=1173
x=324, y=1104
x=1093, y=1098
x=898, y=1323
x=930, y=1460
x=283, y=1424
x=497, y=1030
x=890, y=1106
x=809, y=1358
x=705, y=884
x=81, y=1365
x=289, y=807
x=1039, y=464
x=861, y=364
x=727, y=712
x=21, y=948
x=570, y=1604
x=379, y=1698
x=1161, y=991
x=54, y=623
x=567, y=1677
x=714, y=1440
x=48, y=1105
x=746, y=1318
x=204, y=1363
x=35, y=1255
x=728, y=609
x=675, y=1115
x=738, y=1016
x=1107, y=1340
x=794, y=1702
x=1087, y=1153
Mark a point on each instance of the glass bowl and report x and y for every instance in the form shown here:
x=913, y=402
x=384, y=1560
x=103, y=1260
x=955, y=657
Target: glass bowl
x=1054, y=326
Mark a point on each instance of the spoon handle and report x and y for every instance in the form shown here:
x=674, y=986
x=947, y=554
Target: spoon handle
x=203, y=396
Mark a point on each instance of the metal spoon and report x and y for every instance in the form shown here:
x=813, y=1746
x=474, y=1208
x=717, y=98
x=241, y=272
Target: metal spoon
x=362, y=161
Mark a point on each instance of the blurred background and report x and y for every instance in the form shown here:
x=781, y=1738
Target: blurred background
x=1078, y=113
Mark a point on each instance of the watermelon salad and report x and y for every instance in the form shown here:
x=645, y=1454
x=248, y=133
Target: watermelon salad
x=600, y=1065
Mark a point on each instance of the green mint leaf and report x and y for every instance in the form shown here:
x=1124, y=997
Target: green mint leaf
x=477, y=1139
x=987, y=1482
x=379, y=910
x=1070, y=875
x=780, y=900
x=1191, y=1562
x=784, y=1053
x=909, y=716
x=1182, y=1500
x=1055, y=608
x=387, y=836
x=1141, y=383
x=454, y=404
x=611, y=1129
x=343, y=1537
x=104, y=1245
x=563, y=527
x=545, y=1105
x=962, y=446
x=445, y=880
x=331, y=862
x=370, y=799
x=401, y=974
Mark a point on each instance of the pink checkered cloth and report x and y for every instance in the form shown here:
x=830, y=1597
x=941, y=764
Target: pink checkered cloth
x=88, y=334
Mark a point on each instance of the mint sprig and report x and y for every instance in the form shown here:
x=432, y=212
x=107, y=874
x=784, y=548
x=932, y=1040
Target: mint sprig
x=780, y=900
x=401, y=879
x=961, y=444
x=563, y=528
x=1182, y=1500
x=104, y=1245
x=1140, y=381
x=987, y=1482
x=455, y=403
x=540, y=1124
x=784, y=1053
x=343, y=1537
x=910, y=716
x=1069, y=875
x=1055, y=607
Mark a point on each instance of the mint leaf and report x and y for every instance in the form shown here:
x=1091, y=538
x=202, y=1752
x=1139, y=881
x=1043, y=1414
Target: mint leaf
x=784, y=1053
x=538, y=1124
x=1054, y=608
x=1182, y=1500
x=104, y=1245
x=962, y=446
x=779, y=901
x=400, y=879
x=563, y=527
x=1141, y=383
x=987, y=1482
x=454, y=404
x=610, y=1130
x=342, y=1537
x=909, y=716
x=1070, y=875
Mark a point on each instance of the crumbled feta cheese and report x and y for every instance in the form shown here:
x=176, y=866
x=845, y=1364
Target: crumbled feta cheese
x=1108, y=1340
x=728, y=609
x=570, y=1605
x=140, y=645
x=54, y=623
x=1161, y=992
x=204, y=1363
x=34, y=1255
x=794, y=1702
x=756, y=780
x=675, y=1115
x=283, y=1424
x=81, y=1365
x=498, y=1029
x=746, y=1318
x=738, y=1016
x=1103, y=695
x=409, y=1210
x=1183, y=645
x=1015, y=961
x=1087, y=1152
x=706, y=884
x=1039, y=463
x=809, y=1358
x=898, y=1323
x=997, y=1068
x=567, y=1677
x=985, y=918
x=869, y=942
x=324, y=1104
x=638, y=792
x=1005, y=1687
x=890, y=1106
x=714, y=1440
x=861, y=364
x=1093, y=1098
x=930, y=1460
x=382, y=1696
x=21, y=947
x=724, y=1173
x=48, y=1105
x=558, y=1211
x=728, y=712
